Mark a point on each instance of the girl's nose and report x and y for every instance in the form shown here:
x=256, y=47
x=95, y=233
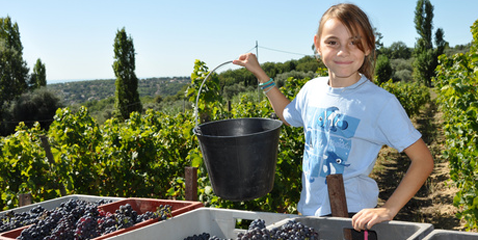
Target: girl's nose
x=344, y=50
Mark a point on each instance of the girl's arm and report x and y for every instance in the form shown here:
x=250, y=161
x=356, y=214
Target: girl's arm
x=276, y=98
x=420, y=168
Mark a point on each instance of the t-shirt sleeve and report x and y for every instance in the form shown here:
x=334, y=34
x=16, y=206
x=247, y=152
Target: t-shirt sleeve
x=395, y=126
x=292, y=114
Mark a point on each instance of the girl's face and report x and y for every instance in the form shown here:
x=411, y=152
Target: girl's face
x=340, y=53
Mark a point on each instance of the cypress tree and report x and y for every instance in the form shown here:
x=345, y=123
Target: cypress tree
x=38, y=77
x=126, y=93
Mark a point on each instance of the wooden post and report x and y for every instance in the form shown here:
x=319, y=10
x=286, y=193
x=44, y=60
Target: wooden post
x=24, y=199
x=338, y=201
x=46, y=145
x=51, y=160
x=191, y=175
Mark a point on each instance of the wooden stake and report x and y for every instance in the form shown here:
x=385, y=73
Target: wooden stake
x=338, y=201
x=191, y=175
x=24, y=199
x=51, y=160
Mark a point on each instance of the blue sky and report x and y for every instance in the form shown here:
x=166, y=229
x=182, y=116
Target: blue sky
x=74, y=39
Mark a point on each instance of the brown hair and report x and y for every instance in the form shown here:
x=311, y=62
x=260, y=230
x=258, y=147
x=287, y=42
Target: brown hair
x=358, y=24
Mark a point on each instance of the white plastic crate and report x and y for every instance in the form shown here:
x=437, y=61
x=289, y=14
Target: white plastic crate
x=215, y=221
x=332, y=228
x=439, y=234
x=54, y=203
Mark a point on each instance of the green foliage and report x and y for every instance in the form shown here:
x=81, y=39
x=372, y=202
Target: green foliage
x=426, y=57
x=424, y=66
x=402, y=69
x=424, y=23
x=457, y=84
x=209, y=97
x=73, y=138
x=400, y=50
x=13, y=69
x=24, y=168
x=39, y=105
x=282, y=78
x=144, y=156
x=126, y=92
x=81, y=92
x=38, y=77
x=383, y=69
x=412, y=96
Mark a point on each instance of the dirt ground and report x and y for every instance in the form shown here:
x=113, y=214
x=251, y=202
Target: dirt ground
x=434, y=201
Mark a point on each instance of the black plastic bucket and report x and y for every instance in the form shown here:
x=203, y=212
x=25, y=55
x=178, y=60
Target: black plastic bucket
x=240, y=156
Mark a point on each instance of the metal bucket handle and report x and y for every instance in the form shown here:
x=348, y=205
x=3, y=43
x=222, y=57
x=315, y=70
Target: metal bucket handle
x=196, y=111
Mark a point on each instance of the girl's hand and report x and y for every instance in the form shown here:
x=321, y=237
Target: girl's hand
x=250, y=62
x=420, y=168
x=366, y=218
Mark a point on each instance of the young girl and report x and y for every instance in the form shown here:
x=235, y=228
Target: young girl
x=346, y=120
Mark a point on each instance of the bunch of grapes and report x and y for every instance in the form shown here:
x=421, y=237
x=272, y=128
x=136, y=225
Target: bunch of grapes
x=257, y=230
x=203, y=236
x=11, y=220
x=293, y=230
x=81, y=220
x=257, y=223
x=60, y=223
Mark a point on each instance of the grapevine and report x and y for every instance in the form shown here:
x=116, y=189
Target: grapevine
x=456, y=85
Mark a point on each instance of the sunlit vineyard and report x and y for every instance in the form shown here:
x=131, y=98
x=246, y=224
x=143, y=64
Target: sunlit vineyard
x=146, y=155
x=457, y=84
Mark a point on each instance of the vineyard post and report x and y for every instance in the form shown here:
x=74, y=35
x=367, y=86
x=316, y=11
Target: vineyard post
x=191, y=175
x=24, y=199
x=51, y=160
x=338, y=201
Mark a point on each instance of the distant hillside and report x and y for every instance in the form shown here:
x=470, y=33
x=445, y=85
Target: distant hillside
x=82, y=91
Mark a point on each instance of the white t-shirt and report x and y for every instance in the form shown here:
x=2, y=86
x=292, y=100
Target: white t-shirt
x=345, y=128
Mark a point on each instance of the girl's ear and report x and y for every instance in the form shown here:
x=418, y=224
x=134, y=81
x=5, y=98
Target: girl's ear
x=367, y=51
x=316, y=43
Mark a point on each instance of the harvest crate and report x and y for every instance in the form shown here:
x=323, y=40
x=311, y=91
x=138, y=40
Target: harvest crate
x=215, y=221
x=439, y=234
x=140, y=205
x=333, y=228
x=54, y=203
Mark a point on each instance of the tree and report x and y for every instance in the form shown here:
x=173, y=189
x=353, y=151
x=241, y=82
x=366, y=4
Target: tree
x=38, y=78
x=39, y=105
x=383, y=69
x=423, y=23
x=13, y=69
x=378, y=40
x=425, y=56
x=126, y=93
x=402, y=69
x=440, y=42
x=399, y=50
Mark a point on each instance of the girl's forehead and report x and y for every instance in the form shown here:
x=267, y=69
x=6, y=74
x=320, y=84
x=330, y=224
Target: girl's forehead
x=335, y=26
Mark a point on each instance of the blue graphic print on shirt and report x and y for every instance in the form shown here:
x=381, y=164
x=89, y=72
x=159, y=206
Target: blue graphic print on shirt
x=328, y=142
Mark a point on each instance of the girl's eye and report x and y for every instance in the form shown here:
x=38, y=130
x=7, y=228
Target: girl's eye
x=332, y=43
x=355, y=41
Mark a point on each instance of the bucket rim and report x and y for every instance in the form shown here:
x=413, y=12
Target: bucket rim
x=237, y=119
